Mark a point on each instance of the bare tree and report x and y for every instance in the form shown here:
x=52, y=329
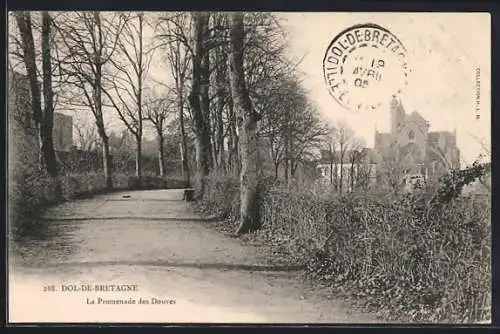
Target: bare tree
x=344, y=138
x=87, y=138
x=122, y=146
x=196, y=101
x=271, y=127
x=42, y=116
x=329, y=147
x=90, y=40
x=355, y=158
x=173, y=36
x=291, y=124
x=307, y=134
x=331, y=157
x=249, y=213
x=267, y=71
x=221, y=92
x=157, y=110
x=364, y=172
x=131, y=68
x=47, y=123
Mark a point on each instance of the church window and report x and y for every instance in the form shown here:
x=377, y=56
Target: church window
x=411, y=135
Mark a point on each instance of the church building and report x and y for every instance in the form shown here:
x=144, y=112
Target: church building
x=412, y=149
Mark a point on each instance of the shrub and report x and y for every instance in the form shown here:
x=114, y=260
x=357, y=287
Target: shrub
x=221, y=196
x=423, y=260
x=30, y=191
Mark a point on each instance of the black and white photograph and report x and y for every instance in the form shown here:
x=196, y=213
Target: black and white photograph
x=248, y=167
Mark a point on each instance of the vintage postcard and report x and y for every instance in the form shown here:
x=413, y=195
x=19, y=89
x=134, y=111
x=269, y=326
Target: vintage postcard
x=218, y=167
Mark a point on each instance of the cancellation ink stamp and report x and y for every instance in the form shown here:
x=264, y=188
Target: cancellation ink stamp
x=364, y=65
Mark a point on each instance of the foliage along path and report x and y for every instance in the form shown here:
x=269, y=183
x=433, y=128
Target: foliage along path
x=153, y=240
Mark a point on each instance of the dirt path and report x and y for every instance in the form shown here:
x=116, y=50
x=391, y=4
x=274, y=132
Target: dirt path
x=153, y=241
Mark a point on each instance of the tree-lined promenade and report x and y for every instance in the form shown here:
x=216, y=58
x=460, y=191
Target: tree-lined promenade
x=246, y=135
x=229, y=88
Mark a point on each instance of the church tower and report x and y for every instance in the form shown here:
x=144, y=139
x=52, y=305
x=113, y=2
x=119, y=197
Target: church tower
x=397, y=115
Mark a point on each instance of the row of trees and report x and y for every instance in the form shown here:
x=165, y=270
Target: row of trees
x=230, y=94
x=349, y=163
x=229, y=87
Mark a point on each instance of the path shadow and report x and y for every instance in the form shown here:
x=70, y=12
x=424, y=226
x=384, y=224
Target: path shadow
x=145, y=218
x=196, y=265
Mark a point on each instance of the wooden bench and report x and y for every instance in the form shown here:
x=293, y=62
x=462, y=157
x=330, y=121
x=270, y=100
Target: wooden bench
x=188, y=195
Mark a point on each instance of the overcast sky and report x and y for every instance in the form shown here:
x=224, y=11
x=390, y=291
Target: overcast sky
x=444, y=50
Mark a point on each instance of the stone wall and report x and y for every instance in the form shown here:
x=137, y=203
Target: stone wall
x=22, y=135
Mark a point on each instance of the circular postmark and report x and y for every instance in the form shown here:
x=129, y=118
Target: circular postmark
x=364, y=66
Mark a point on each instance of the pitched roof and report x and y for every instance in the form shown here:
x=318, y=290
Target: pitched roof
x=416, y=118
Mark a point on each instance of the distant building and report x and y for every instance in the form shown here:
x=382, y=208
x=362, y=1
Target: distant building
x=354, y=168
x=62, y=132
x=413, y=148
x=408, y=149
x=21, y=117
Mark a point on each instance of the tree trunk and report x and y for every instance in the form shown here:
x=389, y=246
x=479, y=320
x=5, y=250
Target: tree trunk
x=138, y=158
x=106, y=155
x=24, y=24
x=249, y=212
x=341, y=182
x=138, y=154
x=185, y=165
x=47, y=123
x=221, y=95
x=213, y=150
x=161, y=154
x=107, y=162
x=234, y=160
x=205, y=105
x=200, y=21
